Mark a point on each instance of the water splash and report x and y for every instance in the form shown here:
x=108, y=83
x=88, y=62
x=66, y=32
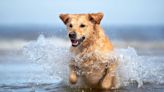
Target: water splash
x=139, y=68
x=53, y=55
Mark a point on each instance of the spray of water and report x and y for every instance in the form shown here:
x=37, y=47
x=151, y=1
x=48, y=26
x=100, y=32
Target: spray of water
x=53, y=55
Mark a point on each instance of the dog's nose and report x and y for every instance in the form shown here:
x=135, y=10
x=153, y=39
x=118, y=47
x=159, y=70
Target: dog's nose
x=72, y=35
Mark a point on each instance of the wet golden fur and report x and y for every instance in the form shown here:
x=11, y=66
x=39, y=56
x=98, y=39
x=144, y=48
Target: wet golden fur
x=95, y=41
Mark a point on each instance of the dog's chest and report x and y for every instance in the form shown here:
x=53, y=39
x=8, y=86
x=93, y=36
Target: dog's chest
x=90, y=63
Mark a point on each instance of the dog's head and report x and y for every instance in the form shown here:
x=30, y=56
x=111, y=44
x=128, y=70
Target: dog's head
x=80, y=26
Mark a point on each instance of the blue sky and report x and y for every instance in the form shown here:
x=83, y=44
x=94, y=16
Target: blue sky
x=117, y=12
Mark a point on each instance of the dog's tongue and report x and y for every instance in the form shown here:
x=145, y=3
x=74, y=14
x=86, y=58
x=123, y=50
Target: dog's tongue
x=74, y=42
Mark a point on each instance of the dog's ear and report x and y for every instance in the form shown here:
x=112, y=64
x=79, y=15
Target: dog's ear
x=64, y=18
x=96, y=17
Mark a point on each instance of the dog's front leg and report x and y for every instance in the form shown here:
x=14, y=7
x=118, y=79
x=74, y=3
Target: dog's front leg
x=73, y=77
x=109, y=80
x=73, y=73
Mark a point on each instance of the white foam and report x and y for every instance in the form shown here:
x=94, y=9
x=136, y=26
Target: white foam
x=139, y=68
x=53, y=55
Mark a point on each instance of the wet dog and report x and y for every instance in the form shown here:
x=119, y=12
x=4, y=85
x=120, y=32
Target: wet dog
x=91, y=47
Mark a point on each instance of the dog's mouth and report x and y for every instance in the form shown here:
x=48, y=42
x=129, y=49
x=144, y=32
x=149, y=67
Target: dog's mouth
x=76, y=42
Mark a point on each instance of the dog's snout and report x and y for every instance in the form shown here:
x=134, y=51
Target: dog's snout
x=72, y=35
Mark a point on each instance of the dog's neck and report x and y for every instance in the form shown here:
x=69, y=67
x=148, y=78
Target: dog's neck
x=98, y=40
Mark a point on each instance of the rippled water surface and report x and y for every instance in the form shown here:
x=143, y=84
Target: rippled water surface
x=41, y=65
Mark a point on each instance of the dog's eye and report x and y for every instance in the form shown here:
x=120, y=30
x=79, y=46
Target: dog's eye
x=82, y=25
x=70, y=25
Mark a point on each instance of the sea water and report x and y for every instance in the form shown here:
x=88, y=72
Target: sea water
x=43, y=65
x=53, y=55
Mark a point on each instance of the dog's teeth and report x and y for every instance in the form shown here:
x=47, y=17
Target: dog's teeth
x=75, y=43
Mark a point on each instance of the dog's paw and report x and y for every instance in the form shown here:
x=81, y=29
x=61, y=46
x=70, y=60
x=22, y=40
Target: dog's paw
x=106, y=85
x=108, y=82
x=73, y=78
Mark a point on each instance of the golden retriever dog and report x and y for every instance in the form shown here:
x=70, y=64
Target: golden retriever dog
x=91, y=47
